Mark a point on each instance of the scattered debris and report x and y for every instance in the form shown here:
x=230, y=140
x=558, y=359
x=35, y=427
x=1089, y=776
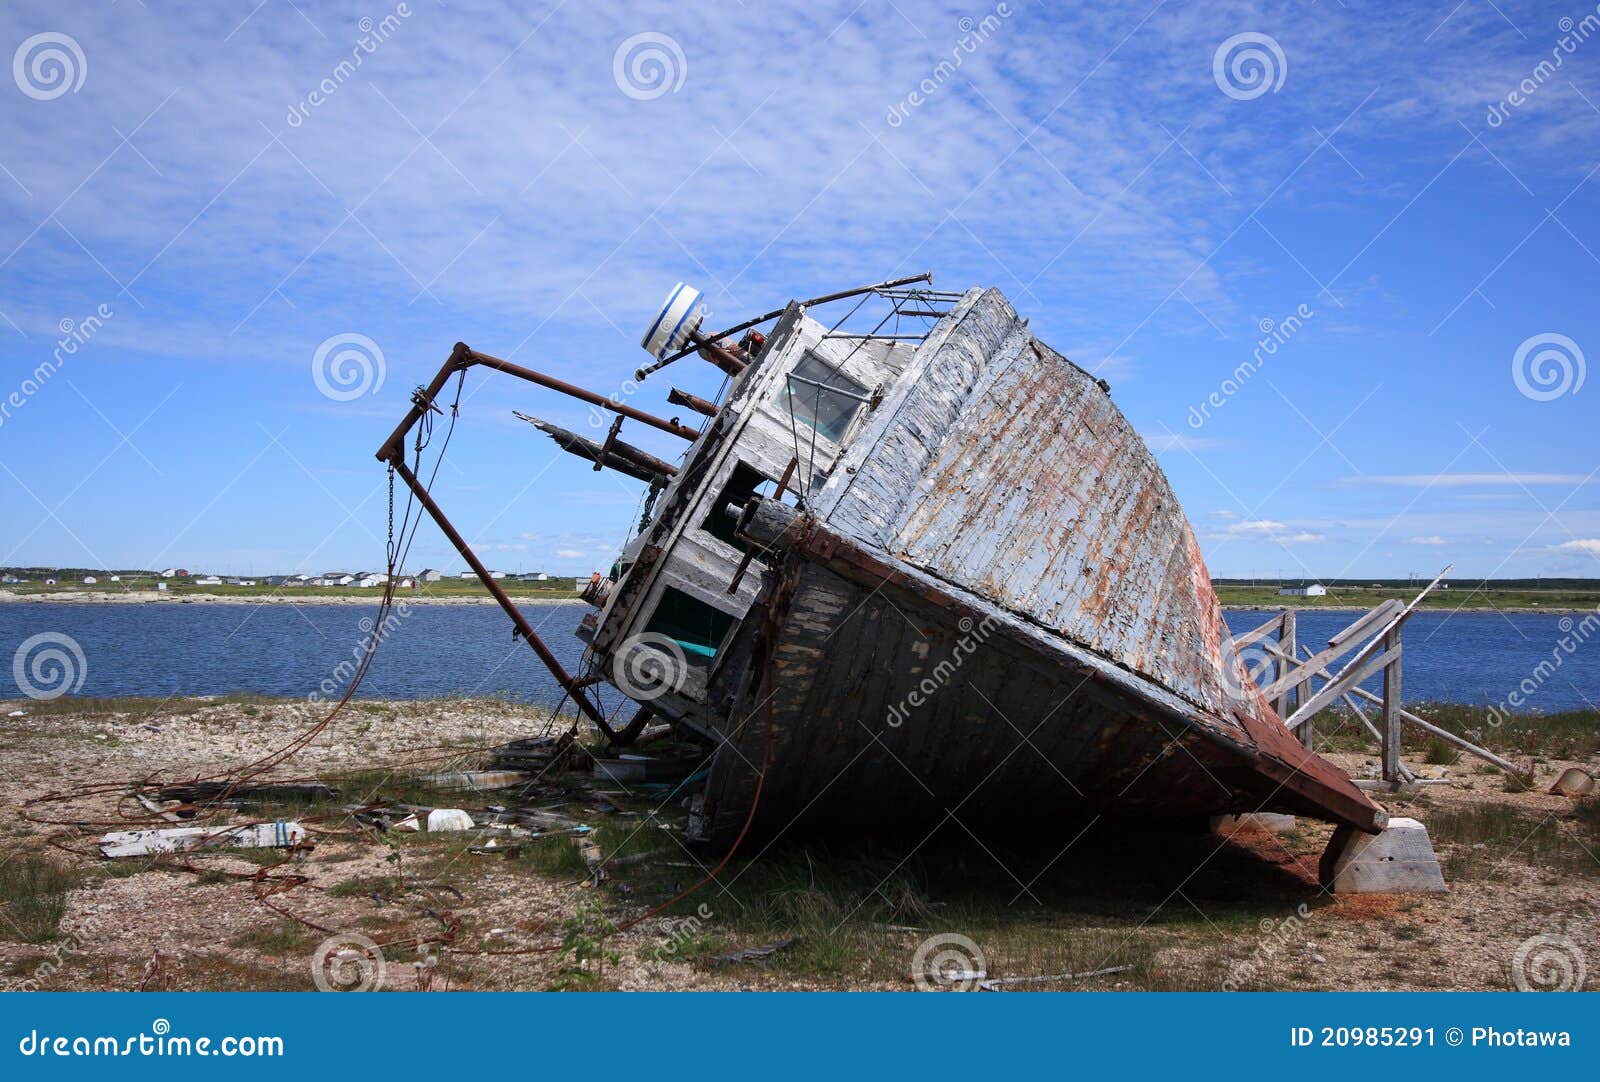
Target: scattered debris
x=993, y=984
x=479, y=780
x=1575, y=782
x=751, y=954
x=449, y=819
x=281, y=833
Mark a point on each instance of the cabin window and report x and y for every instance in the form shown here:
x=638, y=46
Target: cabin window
x=824, y=397
x=695, y=626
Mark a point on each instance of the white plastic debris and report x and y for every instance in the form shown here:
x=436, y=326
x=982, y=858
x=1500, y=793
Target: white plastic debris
x=17, y=714
x=281, y=833
x=449, y=819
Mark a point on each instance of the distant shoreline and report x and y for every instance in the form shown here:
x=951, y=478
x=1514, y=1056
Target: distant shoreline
x=153, y=597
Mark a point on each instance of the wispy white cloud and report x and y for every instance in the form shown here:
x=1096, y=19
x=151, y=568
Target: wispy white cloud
x=1470, y=480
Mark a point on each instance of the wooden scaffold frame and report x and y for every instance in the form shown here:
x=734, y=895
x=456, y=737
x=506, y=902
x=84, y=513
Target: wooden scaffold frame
x=1298, y=699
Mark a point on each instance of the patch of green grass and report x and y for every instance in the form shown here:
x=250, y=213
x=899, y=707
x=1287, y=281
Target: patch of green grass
x=33, y=896
x=1440, y=752
x=1508, y=835
x=278, y=937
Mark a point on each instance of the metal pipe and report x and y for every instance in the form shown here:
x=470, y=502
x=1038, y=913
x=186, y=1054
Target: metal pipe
x=474, y=357
x=423, y=402
x=570, y=684
x=692, y=401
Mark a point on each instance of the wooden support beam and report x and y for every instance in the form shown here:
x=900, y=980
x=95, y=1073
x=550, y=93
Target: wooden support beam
x=1370, y=661
x=1391, y=707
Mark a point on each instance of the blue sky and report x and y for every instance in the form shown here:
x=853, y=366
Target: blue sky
x=1405, y=181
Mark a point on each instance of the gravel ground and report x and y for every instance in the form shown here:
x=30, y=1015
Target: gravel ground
x=222, y=922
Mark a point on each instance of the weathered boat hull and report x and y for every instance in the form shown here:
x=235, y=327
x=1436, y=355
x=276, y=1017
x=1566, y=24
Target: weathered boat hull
x=883, y=697
x=988, y=602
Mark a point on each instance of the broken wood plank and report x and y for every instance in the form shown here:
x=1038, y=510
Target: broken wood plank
x=281, y=833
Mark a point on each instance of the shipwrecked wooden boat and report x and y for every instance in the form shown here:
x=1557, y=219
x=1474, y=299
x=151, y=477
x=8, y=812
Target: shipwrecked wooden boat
x=909, y=576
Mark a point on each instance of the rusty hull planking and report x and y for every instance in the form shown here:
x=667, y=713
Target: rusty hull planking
x=997, y=481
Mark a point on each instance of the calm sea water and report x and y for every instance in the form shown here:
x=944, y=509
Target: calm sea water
x=437, y=650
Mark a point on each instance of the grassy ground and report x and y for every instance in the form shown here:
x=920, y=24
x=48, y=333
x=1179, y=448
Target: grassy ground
x=1368, y=597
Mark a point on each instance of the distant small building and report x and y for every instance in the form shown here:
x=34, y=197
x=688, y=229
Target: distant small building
x=337, y=578
x=429, y=575
x=369, y=579
x=208, y=580
x=115, y=578
x=161, y=586
x=407, y=584
x=241, y=582
x=1313, y=590
x=49, y=582
x=497, y=574
x=468, y=575
x=90, y=580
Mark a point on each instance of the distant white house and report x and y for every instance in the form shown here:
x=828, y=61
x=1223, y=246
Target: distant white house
x=469, y=574
x=1314, y=590
x=208, y=580
x=407, y=583
x=115, y=578
x=169, y=573
x=429, y=575
x=370, y=579
x=336, y=578
x=241, y=582
x=497, y=574
x=90, y=580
